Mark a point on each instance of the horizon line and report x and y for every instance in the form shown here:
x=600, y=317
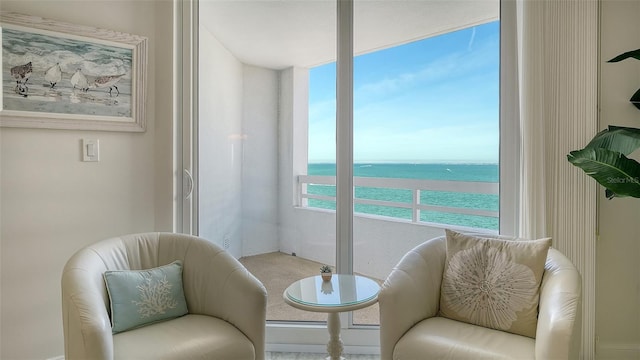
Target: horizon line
x=407, y=162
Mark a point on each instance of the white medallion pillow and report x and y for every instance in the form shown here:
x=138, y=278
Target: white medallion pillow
x=493, y=283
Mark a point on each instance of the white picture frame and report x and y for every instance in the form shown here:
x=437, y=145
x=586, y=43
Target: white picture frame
x=57, y=75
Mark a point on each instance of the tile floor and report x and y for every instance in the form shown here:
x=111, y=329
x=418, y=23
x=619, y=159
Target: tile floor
x=278, y=270
x=308, y=356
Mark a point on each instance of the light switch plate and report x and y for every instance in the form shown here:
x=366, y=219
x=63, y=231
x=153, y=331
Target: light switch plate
x=90, y=150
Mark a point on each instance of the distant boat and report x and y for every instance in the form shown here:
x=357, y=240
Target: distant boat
x=53, y=75
x=108, y=81
x=79, y=81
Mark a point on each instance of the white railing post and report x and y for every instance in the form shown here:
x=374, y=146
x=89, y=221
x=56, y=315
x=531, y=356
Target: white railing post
x=415, y=217
x=304, y=202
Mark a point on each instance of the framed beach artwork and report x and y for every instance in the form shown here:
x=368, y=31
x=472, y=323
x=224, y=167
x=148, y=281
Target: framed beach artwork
x=57, y=75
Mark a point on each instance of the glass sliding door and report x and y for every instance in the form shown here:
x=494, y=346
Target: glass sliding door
x=258, y=140
x=426, y=127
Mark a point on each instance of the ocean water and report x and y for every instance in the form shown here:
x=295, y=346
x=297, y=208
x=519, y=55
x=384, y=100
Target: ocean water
x=453, y=172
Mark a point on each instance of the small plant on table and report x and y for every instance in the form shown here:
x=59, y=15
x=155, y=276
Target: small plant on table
x=326, y=272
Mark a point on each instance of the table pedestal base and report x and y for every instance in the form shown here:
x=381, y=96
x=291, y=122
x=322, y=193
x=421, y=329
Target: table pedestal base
x=356, y=292
x=334, y=347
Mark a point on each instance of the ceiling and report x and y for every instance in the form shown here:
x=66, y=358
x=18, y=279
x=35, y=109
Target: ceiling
x=278, y=34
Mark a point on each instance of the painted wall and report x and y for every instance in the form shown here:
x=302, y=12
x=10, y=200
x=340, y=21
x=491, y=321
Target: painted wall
x=220, y=144
x=52, y=203
x=259, y=161
x=238, y=126
x=618, y=247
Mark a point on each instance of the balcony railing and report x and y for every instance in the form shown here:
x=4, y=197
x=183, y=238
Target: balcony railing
x=421, y=191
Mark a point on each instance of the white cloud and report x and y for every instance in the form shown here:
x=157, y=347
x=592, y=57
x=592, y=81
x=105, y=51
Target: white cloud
x=473, y=36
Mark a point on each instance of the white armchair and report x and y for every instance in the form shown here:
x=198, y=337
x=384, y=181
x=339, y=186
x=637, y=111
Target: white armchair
x=410, y=328
x=226, y=304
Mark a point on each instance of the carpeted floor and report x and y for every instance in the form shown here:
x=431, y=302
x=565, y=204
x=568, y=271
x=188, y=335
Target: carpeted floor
x=279, y=270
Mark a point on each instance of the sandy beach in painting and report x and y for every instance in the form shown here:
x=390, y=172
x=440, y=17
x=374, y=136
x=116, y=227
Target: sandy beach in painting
x=64, y=99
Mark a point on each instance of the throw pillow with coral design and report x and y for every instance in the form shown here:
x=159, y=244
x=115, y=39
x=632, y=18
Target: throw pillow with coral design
x=142, y=297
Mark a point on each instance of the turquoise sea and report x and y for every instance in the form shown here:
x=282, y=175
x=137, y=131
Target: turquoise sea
x=453, y=172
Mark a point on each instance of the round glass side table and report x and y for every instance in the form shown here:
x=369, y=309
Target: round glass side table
x=341, y=293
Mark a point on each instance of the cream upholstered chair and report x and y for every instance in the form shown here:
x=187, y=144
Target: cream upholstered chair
x=226, y=304
x=411, y=328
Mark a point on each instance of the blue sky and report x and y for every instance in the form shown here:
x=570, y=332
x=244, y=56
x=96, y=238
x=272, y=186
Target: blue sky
x=431, y=101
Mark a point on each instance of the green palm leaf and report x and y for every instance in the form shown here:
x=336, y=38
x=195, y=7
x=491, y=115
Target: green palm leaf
x=634, y=54
x=619, y=174
x=617, y=138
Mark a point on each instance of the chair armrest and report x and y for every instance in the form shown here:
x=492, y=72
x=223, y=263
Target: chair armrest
x=86, y=323
x=558, y=334
x=216, y=284
x=245, y=306
x=411, y=293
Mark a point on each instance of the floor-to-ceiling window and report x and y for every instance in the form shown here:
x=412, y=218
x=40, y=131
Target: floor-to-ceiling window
x=425, y=115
